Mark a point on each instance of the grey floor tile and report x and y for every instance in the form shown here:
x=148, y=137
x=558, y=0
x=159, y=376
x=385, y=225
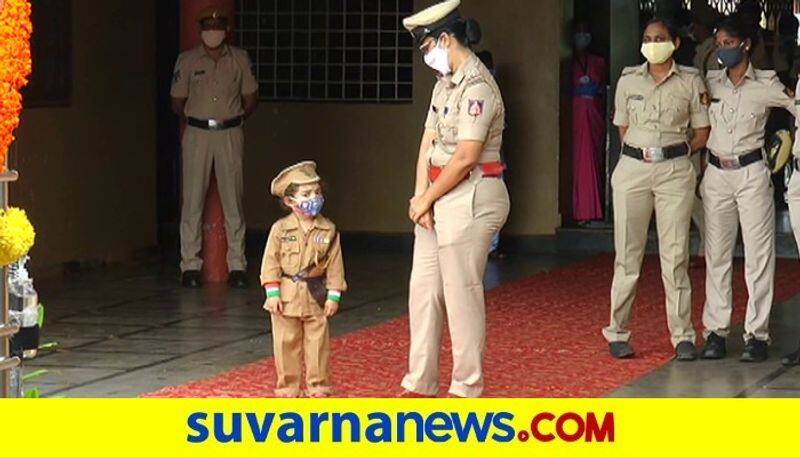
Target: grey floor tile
x=82, y=358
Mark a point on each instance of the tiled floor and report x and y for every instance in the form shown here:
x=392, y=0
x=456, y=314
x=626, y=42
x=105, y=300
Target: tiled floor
x=130, y=330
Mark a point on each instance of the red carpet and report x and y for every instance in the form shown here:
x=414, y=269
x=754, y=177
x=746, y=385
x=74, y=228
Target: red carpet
x=543, y=339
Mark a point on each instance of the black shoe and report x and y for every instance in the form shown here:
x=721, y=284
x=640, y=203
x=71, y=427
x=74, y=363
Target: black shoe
x=191, y=279
x=685, y=352
x=791, y=360
x=754, y=351
x=621, y=350
x=237, y=279
x=715, y=347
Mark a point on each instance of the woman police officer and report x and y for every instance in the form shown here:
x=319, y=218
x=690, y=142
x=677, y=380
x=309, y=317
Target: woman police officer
x=459, y=204
x=737, y=189
x=656, y=105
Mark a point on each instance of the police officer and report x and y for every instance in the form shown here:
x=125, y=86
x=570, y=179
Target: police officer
x=213, y=91
x=793, y=197
x=656, y=104
x=460, y=202
x=704, y=20
x=737, y=189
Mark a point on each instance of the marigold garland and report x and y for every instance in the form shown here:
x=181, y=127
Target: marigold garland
x=16, y=235
x=15, y=66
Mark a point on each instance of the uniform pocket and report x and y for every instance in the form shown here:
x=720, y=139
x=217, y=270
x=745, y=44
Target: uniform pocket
x=750, y=114
x=636, y=110
x=676, y=110
x=290, y=256
x=288, y=290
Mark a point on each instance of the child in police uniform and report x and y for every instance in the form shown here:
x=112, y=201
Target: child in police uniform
x=303, y=275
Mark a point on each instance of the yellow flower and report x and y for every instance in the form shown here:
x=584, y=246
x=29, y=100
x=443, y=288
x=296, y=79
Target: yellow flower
x=16, y=235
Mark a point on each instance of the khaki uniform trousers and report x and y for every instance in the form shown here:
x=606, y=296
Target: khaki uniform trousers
x=793, y=197
x=296, y=340
x=698, y=214
x=447, y=280
x=638, y=188
x=223, y=150
x=731, y=197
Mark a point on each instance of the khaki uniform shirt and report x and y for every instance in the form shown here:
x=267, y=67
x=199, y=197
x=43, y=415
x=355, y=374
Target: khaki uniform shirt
x=465, y=106
x=705, y=57
x=739, y=113
x=659, y=115
x=213, y=89
x=290, y=251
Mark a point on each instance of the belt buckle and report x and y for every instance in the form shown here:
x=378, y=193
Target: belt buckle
x=214, y=125
x=730, y=164
x=652, y=155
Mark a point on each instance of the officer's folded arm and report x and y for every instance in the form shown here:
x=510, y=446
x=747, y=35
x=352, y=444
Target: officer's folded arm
x=178, y=106
x=699, y=138
x=623, y=129
x=421, y=183
x=249, y=104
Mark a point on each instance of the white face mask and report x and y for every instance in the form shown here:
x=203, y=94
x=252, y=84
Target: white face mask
x=213, y=38
x=439, y=59
x=657, y=53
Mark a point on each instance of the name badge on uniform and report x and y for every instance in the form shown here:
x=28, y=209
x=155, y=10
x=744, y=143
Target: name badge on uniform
x=636, y=97
x=320, y=239
x=289, y=238
x=475, y=108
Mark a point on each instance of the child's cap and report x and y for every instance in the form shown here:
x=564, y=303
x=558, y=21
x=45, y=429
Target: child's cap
x=301, y=173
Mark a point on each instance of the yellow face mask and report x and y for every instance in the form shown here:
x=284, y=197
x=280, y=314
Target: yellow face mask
x=657, y=53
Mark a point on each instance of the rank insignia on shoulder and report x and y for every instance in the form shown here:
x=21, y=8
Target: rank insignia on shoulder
x=705, y=100
x=475, y=108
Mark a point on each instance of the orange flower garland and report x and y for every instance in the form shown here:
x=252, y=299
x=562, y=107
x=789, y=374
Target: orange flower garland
x=15, y=66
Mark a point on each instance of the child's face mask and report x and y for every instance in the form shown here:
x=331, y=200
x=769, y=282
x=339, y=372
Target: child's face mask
x=309, y=206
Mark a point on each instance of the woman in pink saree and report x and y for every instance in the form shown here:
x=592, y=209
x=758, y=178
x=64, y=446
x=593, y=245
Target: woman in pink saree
x=588, y=129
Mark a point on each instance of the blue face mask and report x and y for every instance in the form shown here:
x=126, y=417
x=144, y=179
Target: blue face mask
x=311, y=207
x=730, y=57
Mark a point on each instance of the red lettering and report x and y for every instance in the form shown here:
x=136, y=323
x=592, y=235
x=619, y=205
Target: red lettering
x=566, y=436
x=597, y=432
x=544, y=438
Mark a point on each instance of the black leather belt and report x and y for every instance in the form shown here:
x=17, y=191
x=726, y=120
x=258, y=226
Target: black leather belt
x=211, y=124
x=652, y=155
x=738, y=162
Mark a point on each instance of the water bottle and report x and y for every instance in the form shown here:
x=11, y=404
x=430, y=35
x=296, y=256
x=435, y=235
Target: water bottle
x=23, y=300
